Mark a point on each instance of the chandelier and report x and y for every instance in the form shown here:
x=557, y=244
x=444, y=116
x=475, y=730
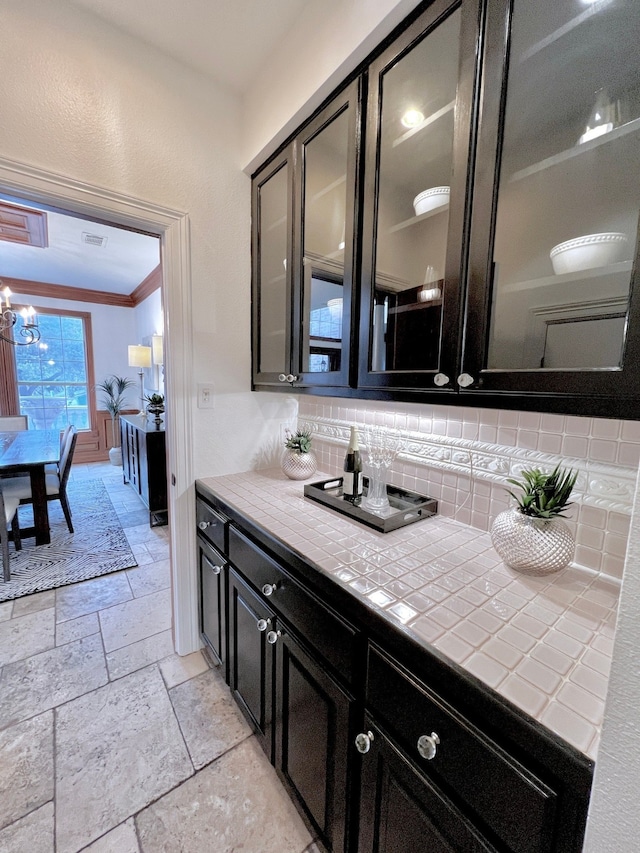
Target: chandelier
x=18, y=329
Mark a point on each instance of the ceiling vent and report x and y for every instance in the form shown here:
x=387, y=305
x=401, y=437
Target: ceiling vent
x=94, y=239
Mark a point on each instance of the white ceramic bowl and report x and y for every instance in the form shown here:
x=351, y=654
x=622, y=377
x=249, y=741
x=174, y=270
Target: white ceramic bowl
x=430, y=199
x=589, y=252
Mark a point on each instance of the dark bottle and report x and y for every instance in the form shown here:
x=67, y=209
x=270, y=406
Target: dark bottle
x=352, y=477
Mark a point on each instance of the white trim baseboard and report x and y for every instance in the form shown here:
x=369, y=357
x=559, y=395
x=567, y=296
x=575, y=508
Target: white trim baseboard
x=34, y=184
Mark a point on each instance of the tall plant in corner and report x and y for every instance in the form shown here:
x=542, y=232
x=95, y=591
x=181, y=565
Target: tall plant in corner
x=113, y=389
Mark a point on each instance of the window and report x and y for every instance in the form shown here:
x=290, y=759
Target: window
x=54, y=376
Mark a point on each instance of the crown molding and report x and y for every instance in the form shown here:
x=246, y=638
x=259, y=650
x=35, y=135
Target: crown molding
x=147, y=286
x=63, y=291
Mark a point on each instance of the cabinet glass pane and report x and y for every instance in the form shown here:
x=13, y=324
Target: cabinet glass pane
x=274, y=304
x=325, y=201
x=569, y=190
x=417, y=101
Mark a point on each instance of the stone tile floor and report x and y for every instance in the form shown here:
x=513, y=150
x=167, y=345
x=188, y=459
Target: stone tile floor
x=110, y=742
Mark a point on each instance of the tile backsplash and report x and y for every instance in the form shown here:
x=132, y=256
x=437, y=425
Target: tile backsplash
x=462, y=456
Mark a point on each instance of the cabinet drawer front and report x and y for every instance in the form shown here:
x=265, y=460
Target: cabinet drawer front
x=210, y=525
x=213, y=598
x=327, y=634
x=501, y=793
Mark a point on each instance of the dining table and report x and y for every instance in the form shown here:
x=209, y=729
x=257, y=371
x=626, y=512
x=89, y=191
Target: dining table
x=29, y=452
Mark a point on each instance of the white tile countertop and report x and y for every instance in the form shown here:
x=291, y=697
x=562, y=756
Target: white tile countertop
x=545, y=644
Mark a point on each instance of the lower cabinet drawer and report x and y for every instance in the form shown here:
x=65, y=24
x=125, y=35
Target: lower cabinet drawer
x=213, y=599
x=509, y=802
x=211, y=525
x=331, y=637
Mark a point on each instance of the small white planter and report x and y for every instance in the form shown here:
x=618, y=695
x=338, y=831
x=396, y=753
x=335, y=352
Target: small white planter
x=299, y=466
x=115, y=456
x=533, y=546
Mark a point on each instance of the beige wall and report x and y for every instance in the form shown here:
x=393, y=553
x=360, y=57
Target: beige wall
x=80, y=99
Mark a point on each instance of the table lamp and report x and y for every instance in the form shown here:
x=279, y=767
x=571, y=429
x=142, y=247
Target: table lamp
x=140, y=356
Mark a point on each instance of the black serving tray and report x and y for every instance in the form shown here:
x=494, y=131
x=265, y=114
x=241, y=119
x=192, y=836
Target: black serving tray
x=406, y=507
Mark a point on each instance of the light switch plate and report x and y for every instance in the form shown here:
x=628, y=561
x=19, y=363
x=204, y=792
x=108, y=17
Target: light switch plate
x=205, y=395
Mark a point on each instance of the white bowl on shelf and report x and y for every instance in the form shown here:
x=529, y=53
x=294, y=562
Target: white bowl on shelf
x=431, y=199
x=589, y=252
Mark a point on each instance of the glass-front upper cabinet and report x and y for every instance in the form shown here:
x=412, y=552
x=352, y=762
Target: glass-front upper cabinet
x=323, y=242
x=272, y=240
x=551, y=306
x=417, y=152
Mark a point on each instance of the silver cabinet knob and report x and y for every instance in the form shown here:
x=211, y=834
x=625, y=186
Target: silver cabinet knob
x=263, y=624
x=464, y=380
x=427, y=745
x=363, y=742
x=291, y=378
x=282, y=378
x=269, y=588
x=204, y=524
x=440, y=379
x=216, y=569
x=272, y=637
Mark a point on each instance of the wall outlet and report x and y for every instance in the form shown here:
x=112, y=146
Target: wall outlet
x=205, y=395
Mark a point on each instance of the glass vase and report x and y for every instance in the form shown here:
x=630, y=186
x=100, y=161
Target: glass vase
x=382, y=447
x=533, y=546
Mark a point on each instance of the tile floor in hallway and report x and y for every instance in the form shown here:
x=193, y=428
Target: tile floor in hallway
x=110, y=742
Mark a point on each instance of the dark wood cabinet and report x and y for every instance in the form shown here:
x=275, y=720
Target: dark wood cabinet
x=401, y=810
x=313, y=742
x=412, y=251
x=517, y=124
x=252, y=629
x=283, y=644
x=557, y=146
x=382, y=745
x=212, y=568
x=144, y=464
x=304, y=204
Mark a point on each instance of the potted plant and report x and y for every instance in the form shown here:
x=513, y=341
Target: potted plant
x=532, y=537
x=113, y=388
x=299, y=460
x=155, y=406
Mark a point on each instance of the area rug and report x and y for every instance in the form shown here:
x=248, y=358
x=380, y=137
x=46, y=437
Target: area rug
x=98, y=545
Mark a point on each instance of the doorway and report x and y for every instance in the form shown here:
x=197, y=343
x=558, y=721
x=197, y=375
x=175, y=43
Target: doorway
x=172, y=227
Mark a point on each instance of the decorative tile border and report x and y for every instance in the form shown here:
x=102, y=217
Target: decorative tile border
x=606, y=486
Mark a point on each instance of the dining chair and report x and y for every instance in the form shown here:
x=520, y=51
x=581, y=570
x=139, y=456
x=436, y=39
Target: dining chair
x=20, y=487
x=8, y=516
x=52, y=467
x=14, y=423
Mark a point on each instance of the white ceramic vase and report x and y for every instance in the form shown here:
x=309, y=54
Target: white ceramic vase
x=115, y=456
x=533, y=546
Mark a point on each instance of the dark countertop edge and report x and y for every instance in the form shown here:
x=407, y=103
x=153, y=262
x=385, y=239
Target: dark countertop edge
x=488, y=709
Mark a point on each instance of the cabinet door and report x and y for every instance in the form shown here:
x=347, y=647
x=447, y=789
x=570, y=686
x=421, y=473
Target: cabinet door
x=251, y=658
x=400, y=810
x=417, y=151
x=326, y=169
x=552, y=306
x=213, y=604
x=272, y=293
x=312, y=740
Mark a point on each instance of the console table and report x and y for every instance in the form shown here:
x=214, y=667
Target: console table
x=144, y=463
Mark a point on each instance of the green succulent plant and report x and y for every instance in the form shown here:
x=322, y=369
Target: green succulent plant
x=544, y=495
x=299, y=440
x=155, y=399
